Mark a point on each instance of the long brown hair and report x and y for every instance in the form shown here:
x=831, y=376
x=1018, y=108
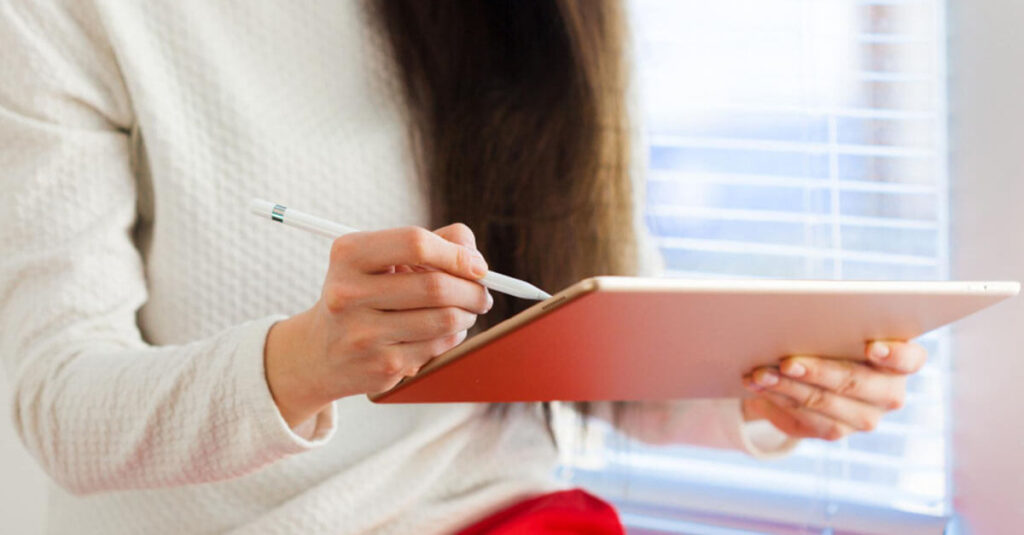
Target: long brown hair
x=521, y=132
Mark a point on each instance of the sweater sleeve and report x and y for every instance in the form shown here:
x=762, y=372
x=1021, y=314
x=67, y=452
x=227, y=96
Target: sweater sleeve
x=96, y=405
x=709, y=423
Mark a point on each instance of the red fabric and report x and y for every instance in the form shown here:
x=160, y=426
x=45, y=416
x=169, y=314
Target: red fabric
x=568, y=511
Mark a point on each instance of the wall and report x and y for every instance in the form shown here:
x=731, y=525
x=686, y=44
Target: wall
x=987, y=114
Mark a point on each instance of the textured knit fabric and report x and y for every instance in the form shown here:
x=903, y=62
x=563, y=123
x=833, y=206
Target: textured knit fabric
x=136, y=291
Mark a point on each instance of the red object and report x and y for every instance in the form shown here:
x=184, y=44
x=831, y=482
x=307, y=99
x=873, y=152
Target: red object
x=568, y=511
x=626, y=338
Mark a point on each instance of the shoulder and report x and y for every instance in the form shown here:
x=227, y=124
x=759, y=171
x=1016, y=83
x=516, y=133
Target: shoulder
x=59, y=66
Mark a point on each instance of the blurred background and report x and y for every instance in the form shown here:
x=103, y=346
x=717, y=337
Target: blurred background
x=827, y=139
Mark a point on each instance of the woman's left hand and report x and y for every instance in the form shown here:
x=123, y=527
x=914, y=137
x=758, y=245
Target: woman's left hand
x=815, y=397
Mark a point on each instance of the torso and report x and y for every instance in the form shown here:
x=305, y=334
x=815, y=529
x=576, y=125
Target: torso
x=295, y=102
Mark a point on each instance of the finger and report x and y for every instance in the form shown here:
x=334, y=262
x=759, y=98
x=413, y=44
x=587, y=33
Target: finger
x=854, y=413
x=372, y=252
x=422, y=324
x=848, y=378
x=418, y=354
x=458, y=233
x=797, y=421
x=900, y=357
x=455, y=233
x=760, y=408
x=428, y=289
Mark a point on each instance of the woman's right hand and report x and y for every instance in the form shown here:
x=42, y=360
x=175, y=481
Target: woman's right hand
x=392, y=300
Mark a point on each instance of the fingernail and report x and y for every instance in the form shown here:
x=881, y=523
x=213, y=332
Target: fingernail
x=490, y=300
x=749, y=384
x=878, y=351
x=766, y=378
x=793, y=368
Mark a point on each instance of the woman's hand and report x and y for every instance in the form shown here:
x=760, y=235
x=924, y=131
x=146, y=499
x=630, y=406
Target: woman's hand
x=814, y=397
x=392, y=300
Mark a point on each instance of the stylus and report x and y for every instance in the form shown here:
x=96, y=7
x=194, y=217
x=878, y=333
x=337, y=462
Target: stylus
x=318, y=225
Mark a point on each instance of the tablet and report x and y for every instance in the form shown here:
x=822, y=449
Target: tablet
x=627, y=338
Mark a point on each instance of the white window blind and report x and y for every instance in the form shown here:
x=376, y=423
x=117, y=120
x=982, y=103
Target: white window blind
x=793, y=139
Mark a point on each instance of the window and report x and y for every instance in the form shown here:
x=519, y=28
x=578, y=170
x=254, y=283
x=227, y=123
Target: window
x=794, y=139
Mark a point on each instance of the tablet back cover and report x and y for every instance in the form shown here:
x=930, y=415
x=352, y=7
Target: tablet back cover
x=629, y=343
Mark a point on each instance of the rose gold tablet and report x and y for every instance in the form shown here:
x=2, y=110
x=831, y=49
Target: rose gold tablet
x=620, y=338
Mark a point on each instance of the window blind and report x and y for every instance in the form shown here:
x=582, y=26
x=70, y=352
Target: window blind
x=793, y=139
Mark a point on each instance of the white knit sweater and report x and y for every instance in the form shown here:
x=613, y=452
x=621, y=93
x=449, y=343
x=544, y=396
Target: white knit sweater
x=136, y=292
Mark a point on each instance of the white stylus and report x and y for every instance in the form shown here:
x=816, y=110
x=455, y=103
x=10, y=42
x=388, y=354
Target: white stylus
x=292, y=217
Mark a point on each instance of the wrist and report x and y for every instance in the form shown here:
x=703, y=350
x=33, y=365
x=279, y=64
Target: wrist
x=287, y=359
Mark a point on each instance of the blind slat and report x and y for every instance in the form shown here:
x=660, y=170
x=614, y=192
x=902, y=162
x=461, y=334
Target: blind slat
x=788, y=217
x=669, y=141
x=722, y=246
x=697, y=178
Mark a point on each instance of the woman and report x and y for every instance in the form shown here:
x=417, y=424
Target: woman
x=179, y=367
